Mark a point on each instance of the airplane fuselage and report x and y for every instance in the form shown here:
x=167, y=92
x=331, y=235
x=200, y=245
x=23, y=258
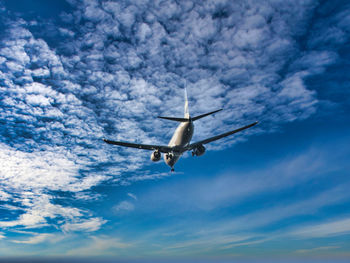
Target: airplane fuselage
x=182, y=137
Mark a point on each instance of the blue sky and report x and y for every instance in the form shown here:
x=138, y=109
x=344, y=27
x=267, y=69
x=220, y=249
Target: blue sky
x=73, y=72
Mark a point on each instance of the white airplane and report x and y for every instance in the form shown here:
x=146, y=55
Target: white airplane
x=180, y=142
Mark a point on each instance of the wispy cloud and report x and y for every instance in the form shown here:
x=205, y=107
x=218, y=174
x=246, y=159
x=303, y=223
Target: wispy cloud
x=124, y=206
x=327, y=229
x=87, y=225
x=255, y=221
x=316, y=249
x=133, y=196
x=36, y=239
x=101, y=245
x=231, y=188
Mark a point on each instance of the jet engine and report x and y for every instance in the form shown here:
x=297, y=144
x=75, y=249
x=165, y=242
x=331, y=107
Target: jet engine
x=155, y=156
x=198, y=151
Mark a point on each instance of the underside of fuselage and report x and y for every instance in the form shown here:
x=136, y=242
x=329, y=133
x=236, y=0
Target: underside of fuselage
x=181, y=138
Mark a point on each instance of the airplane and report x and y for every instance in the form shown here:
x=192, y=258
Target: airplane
x=180, y=141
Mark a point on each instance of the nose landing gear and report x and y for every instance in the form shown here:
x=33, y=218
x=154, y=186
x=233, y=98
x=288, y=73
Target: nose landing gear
x=169, y=156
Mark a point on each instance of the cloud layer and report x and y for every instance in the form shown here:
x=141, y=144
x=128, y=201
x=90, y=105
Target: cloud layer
x=107, y=69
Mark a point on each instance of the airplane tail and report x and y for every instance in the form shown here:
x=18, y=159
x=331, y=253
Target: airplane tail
x=187, y=117
x=187, y=113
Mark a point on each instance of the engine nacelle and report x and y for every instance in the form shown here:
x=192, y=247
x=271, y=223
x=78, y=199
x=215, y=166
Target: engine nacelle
x=198, y=151
x=155, y=156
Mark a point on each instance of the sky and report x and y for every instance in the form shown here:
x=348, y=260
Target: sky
x=73, y=72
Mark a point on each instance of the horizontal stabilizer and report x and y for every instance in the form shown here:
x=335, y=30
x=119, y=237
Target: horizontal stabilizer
x=204, y=115
x=186, y=119
x=174, y=119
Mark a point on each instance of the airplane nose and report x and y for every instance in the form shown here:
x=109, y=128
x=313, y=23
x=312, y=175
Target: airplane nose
x=170, y=162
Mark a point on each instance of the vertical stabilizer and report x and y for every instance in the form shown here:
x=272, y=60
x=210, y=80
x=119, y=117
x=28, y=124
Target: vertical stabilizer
x=187, y=113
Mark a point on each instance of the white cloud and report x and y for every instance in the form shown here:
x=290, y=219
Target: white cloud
x=307, y=206
x=37, y=209
x=221, y=241
x=4, y=196
x=36, y=239
x=256, y=224
x=85, y=225
x=232, y=187
x=322, y=230
x=316, y=249
x=182, y=38
x=101, y=245
x=133, y=196
x=124, y=206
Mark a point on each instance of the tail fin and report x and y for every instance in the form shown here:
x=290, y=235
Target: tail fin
x=187, y=113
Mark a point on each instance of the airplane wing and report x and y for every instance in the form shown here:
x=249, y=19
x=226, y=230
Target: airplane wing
x=194, y=145
x=163, y=149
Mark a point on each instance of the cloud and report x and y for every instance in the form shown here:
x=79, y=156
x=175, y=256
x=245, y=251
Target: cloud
x=220, y=241
x=101, y=245
x=278, y=213
x=176, y=48
x=124, y=206
x=85, y=225
x=229, y=234
x=323, y=230
x=36, y=239
x=243, y=210
x=316, y=249
x=232, y=187
x=37, y=208
x=132, y=196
